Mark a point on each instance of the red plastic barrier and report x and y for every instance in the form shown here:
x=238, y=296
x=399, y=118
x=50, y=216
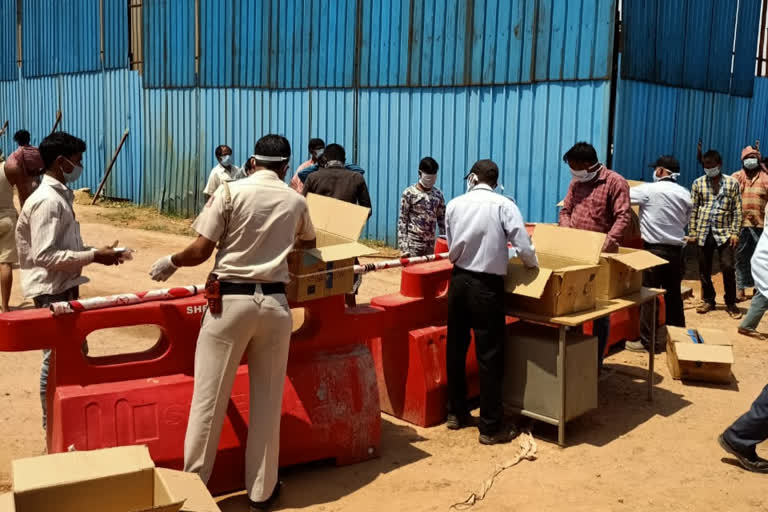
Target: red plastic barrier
x=330, y=404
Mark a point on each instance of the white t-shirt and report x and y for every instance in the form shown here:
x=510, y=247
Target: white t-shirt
x=267, y=217
x=219, y=174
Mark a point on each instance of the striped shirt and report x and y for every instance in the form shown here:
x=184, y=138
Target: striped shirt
x=717, y=213
x=51, y=250
x=754, y=197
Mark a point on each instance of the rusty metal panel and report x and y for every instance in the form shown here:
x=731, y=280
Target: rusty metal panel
x=115, y=14
x=8, y=68
x=169, y=43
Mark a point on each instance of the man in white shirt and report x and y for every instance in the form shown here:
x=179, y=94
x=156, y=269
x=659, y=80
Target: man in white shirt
x=51, y=251
x=225, y=170
x=478, y=226
x=665, y=208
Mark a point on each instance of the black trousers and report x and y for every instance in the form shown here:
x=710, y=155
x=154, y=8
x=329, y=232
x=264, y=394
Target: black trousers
x=668, y=277
x=750, y=429
x=727, y=256
x=476, y=301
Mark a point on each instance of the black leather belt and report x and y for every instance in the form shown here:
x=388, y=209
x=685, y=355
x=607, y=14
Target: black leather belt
x=250, y=288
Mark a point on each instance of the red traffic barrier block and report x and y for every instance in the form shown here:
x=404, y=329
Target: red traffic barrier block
x=330, y=402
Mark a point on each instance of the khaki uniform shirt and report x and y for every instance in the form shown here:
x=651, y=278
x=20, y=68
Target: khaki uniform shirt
x=267, y=217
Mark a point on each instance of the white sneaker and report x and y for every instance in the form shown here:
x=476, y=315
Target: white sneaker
x=635, y=346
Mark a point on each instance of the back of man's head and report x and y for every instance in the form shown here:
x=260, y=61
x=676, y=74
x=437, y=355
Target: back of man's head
x=334, y=152
x=273, y=152
x=60, y=144
x=22, y=137
x=486, y=171
x=428, y=165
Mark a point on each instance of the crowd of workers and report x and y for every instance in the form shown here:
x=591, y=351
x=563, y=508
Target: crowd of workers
x=256, y=219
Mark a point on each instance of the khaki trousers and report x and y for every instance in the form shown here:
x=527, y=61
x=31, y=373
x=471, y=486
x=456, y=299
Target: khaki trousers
x=261, y=326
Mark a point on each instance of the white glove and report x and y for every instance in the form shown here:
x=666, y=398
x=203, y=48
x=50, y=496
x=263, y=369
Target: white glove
x=162, y=269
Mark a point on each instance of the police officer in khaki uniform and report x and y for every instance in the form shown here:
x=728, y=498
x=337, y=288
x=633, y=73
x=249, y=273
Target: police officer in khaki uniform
x=257, y=221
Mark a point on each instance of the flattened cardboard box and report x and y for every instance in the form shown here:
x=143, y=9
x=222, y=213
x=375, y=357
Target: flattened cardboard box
x=327, y=269
x=621, y=273
x=709, y=361
x=565, y=280
x=122, y=479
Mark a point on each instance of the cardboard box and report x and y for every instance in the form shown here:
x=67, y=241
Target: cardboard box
x=327, y=269
x=708, y=359
x=530, y=372
x=565, y=280
x=120, y=479
x=622, y=273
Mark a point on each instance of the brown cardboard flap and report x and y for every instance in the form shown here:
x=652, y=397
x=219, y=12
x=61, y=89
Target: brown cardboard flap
x=188, y=488
x=341, y=251
x=172, y=507
x=70, y=467
x=337, y=217
x=6, y=502
x=528, y=282
x=704, y=353
x=636, y=259
x=580, y=247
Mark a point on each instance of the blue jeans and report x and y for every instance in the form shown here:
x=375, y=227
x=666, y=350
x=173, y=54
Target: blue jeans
x=756, y=311
x=43, y=301
x=748, y=238
x=752, y=428
x=601, y=328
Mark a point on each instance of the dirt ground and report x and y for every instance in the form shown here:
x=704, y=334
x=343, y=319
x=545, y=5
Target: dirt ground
x=630, y=454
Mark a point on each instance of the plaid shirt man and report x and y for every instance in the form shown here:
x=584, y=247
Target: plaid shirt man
x=754, y=197
x=719, y=213
x=600, y=205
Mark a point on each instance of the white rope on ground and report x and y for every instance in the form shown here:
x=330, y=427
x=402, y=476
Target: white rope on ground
x=527, y=451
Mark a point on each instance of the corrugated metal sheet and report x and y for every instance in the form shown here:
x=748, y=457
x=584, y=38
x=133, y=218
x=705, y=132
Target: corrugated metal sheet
x=688, y=43
x=169, y=43
x=653, y=120
x=10, y=110
x=526, y=129
x=8, y=68
x=123, y=109
x=60, y=36
x=289, y=44
x=115, y=34
x=82, y=107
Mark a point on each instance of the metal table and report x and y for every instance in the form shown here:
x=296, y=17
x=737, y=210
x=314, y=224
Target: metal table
x=563, y=323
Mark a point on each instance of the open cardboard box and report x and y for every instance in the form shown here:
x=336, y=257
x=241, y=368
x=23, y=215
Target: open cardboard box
x=565, y=280
x=327, y=269
x=709, y=358
x=120, y=479
x=622, y=273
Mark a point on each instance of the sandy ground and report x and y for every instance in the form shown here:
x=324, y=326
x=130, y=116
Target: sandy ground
x=629, y=454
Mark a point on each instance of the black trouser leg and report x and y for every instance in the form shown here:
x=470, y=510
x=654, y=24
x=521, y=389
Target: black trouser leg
x=727, y=267
x=487, y=311
x=706, y=254
x=457, y=344
x=668, y=277
x=750, y=429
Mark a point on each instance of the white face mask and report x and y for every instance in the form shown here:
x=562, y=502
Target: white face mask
x=471, y=182
x=226, y=160
x=316, y=153
x=74, y=175
x=669, y=177
x=586, y=175
x=427, y=180
x=751, y=163
x=712, y=172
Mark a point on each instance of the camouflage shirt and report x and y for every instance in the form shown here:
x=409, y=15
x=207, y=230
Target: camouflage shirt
x=420, y=215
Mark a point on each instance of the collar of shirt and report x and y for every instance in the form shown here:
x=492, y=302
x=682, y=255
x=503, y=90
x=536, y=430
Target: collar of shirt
x=482, y=186
x=265, y=174
x=58, y=186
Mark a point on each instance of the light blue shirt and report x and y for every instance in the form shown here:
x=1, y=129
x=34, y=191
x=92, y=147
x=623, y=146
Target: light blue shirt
x=478, y=226
x=665, y=208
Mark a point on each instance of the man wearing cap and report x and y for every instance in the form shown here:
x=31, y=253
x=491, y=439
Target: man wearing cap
x=256, y=221
x=665, y=208
x=478, y=226
x=597, y=200
x=753, y=182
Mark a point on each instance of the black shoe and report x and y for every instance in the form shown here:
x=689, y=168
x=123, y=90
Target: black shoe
x=750, y=463
x=505, y=435
x=456, y=422
x=733, y=311
x=266, y=504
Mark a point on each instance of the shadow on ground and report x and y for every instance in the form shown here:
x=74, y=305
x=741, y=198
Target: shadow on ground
x=313, y=484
